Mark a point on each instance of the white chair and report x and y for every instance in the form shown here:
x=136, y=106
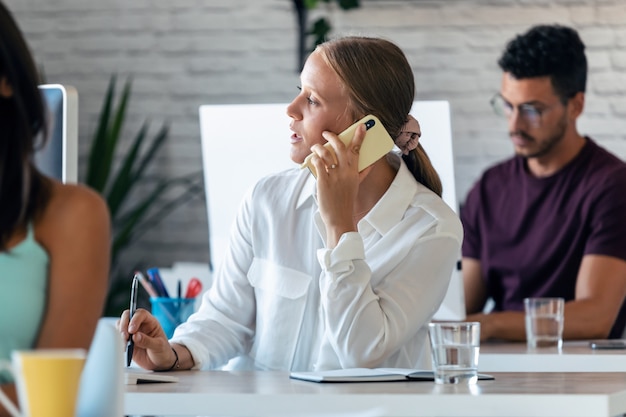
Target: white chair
x=434, y=118
x=242, y=142
x=101, y=391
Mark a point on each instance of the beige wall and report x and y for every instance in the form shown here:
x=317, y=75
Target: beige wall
x=185, y=53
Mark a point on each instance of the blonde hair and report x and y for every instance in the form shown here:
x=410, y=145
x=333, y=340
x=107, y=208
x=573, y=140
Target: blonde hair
x=379, y=81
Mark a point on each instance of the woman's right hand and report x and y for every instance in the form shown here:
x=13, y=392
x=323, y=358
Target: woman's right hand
x=338, y=181
x=152, y=349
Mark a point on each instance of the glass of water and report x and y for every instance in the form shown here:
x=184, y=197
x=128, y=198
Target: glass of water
x=455, y=347
x=544, y=322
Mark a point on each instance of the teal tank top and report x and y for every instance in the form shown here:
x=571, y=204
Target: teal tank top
x=23, y=289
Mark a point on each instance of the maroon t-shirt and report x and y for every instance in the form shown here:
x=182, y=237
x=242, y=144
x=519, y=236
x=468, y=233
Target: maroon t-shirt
x=530, y=234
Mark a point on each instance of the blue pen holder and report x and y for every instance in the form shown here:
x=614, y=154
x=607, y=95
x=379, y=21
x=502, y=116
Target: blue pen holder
x=170, y=312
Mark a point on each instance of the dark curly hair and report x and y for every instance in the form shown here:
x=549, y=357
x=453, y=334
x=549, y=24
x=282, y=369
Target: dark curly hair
x=548, y=50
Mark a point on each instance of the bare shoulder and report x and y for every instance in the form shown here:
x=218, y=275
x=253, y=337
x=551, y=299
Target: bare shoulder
x=73, y=199
x=73, y=206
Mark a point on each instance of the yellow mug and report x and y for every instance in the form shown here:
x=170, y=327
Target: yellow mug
x=47, y=381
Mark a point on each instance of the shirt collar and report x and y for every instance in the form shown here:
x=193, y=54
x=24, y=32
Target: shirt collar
x=308, y=190
x=390, y=209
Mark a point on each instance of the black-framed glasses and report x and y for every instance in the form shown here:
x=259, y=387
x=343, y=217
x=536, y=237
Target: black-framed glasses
x=529, y=113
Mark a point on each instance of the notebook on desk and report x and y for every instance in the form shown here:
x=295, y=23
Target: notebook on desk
x=371, y=375
x=134, y=376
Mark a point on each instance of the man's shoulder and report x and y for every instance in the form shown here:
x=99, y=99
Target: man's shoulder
x=603, y=168
x=603, y=159
x=502, y=171
x=504, y=165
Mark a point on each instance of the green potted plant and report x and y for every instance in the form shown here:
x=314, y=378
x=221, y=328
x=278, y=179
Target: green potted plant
x=131, y=217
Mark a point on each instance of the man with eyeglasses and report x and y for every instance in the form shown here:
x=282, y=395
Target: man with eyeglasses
x=550, y=221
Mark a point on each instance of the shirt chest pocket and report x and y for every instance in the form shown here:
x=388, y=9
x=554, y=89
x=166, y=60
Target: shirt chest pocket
x=281, y=295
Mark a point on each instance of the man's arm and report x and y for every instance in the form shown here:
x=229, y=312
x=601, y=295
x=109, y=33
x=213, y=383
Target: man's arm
x=508, y=325
x=473, y=285
x=600, y=291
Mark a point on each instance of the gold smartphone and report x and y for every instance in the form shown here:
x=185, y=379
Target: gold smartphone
x=376, y=143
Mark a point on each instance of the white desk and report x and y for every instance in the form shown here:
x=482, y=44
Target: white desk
x=576, y=356
x=223, y=393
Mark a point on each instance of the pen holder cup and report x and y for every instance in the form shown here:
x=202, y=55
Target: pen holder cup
x=170, y=312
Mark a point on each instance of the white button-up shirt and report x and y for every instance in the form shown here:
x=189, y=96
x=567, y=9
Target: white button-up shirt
x=282, y=301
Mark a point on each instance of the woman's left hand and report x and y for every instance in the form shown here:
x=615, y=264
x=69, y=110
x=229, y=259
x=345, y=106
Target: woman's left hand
x=338, y=182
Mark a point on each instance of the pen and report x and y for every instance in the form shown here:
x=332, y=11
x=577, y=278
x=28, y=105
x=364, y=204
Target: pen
x=179, y=294
x=157, y=281
x=133, y=307
x=146, y=284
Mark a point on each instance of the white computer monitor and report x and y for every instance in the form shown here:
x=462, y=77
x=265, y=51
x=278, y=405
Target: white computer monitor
x=59, y=157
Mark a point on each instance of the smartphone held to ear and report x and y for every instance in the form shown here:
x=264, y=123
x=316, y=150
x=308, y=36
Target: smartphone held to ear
x=376, y=143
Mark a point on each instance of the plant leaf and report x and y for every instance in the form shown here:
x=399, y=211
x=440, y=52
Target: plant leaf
x=140, y=220
x=107, y=137
x=114, y=130
x=96, y=177
x=126, y=179
x=125, y=229
x=310, y=4
x=192, y=186
x=155, y=145
x=348, y=4
x=120, y=115
x=320, y=29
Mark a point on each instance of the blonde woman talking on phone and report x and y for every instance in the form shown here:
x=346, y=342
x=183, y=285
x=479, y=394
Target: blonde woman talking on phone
x=340, y=271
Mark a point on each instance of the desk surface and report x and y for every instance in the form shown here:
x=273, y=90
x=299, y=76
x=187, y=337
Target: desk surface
x=230, y=393
x=575, y=356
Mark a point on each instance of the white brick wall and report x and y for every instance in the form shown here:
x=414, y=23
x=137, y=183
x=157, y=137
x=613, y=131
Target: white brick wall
x=185, y=53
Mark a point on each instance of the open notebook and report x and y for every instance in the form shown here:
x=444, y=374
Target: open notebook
x=370, y=375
